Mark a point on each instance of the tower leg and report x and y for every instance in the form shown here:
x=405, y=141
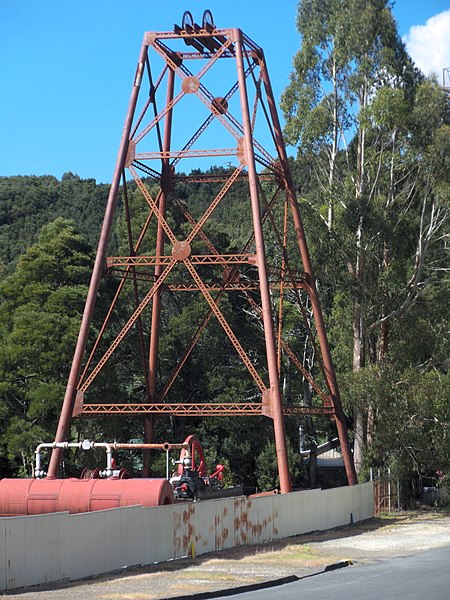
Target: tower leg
x=156, y=306
x=312, y=290
x=71, y=389
x=275, y=393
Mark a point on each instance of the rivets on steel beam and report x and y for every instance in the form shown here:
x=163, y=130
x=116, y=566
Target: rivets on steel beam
x=190, y=85
x=131, y=153
x=241, y=151
x=219, y=105
x=181, y=250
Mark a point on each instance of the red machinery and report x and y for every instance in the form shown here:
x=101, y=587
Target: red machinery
x=190, y=481
x=40, y=496
x=113, y=487
x=95, y=490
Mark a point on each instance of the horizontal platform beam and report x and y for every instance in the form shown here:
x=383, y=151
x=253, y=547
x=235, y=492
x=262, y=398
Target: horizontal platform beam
x=198, y=410
x=203, y=259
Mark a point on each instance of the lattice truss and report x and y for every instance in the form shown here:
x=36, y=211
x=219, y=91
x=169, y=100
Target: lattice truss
x=203, y=97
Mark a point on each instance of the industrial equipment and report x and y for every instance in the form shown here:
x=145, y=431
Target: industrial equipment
x=190, y=481
x=96, y=489
x=201, y=93
x=113, y=487
x=216, y=83
x=41, y=496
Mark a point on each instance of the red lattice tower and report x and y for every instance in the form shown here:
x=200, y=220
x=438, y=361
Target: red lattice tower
x=194, y=87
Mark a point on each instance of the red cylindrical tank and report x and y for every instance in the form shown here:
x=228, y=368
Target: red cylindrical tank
x=41, y=496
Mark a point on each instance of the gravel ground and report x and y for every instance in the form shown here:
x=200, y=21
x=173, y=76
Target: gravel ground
x=400, y=534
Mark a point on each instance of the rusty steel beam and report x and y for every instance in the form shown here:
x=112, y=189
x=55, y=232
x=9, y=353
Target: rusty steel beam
x=228, y=287
x=168, y=154
x=186, y=409
x=203, y=259
x=156, y=303
x=231, y=335
x=271, y=356
x=227, y=119
x=220, y=178
x=182, y=286
x=69, y=398
x=211, y=286
x=311, y=283
x=126, y=274
x=142, y=349
x=129, y=324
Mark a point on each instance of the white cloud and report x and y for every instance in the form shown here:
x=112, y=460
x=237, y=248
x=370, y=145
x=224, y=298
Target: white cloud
x=429, y=44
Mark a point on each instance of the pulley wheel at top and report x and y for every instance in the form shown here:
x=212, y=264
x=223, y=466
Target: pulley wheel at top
x=208, y=20
x=187, y=20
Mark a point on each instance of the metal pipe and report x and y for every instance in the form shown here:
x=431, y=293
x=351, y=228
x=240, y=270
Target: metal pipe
x=272, y=365
x=108, y=446
x=85, y=444
x=164, y=446
x=71, y=390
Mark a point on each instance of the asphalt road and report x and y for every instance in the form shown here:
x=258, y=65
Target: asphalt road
x=422, y=576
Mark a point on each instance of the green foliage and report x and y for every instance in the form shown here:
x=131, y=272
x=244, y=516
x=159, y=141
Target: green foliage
x=373, y=165
x=40, y=307
x=27, y=203
x=266, y=467
x=410, y=419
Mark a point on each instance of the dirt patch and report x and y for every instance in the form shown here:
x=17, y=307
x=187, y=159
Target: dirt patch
x=400, y=534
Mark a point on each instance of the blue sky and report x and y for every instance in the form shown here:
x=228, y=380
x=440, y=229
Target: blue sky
x=67, y=67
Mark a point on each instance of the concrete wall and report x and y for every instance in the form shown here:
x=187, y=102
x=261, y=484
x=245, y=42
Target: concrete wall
x=55, y=547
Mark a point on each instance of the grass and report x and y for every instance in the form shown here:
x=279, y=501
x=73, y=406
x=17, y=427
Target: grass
x=294, y=553
x=203, y=575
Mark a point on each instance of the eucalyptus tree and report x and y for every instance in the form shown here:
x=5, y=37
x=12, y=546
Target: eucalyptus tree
x=371, y=130
x=317, y=102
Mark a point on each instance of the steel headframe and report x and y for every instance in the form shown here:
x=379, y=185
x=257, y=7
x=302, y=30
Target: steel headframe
x=244, y=111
